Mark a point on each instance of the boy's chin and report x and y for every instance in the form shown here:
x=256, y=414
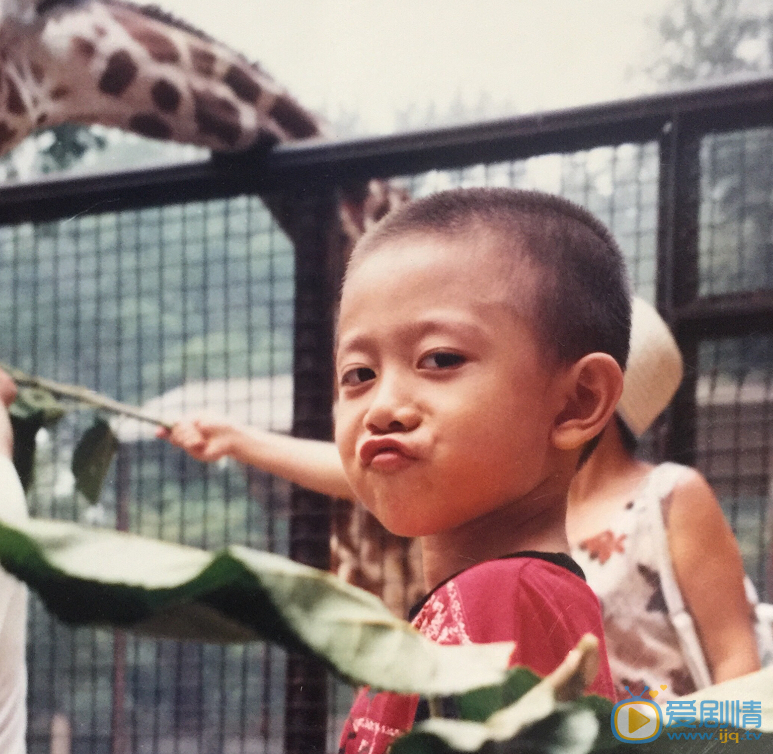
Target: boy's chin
x=400, y=525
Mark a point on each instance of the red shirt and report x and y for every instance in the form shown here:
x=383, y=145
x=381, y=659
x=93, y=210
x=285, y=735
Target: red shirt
x=528, y=598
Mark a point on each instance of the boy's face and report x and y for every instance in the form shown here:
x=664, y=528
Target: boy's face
x=445, y=398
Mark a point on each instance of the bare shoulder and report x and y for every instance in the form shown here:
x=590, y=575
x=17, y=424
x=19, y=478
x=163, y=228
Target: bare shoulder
x=695, y=516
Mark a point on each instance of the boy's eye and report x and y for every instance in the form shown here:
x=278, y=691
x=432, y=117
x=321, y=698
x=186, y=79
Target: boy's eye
x=357, y=376
x=442, y=360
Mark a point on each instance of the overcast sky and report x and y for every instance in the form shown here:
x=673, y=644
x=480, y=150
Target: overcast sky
x=378, y=57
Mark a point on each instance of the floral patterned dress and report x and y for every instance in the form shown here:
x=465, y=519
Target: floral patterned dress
x=621, y=565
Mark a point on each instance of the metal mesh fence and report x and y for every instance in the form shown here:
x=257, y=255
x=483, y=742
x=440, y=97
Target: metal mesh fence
x=618, y=184
x=736, y=231
x=191, y=305
x=180, y=308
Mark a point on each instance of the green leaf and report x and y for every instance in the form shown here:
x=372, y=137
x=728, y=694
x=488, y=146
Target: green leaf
x=24, y=433
x=94, y=576
x=92, y=457
x=480, y=704
x=33, y=408
x=37, y=404
x=535, y=723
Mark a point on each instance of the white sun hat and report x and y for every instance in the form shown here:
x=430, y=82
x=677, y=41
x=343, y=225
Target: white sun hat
x=654, y=369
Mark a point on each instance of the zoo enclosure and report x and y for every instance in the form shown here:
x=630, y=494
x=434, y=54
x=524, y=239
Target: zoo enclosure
x=140, y=283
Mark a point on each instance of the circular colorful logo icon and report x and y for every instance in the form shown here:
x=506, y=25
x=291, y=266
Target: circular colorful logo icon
x=637, y=720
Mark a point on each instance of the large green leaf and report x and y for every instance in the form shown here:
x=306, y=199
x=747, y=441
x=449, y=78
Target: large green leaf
x=541, y=720
x=103, y=577
x=92, y=457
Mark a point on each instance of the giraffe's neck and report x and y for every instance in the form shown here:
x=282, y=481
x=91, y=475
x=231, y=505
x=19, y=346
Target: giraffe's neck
x=110, y=63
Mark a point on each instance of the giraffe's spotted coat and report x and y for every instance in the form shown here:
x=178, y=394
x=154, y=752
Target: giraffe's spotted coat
x=242, y=84
x=217, y=116
x=292, y=119
x=151, y=125
x=203, y=61
x=166, y=96
x=120, y=73
x=111, y=62
x=84, y=47
x=7, y=134
x=14, y=102
x=37, y=71
x=159, y=46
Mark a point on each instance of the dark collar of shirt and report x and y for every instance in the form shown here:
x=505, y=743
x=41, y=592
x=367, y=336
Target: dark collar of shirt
x=556, y=558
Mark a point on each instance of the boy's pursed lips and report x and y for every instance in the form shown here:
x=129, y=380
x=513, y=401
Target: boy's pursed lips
x=385, y=453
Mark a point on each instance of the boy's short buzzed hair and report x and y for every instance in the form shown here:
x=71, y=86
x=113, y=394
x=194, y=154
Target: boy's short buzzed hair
x=582, y=300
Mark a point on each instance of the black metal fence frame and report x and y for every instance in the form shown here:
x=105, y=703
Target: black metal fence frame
x=299, y=183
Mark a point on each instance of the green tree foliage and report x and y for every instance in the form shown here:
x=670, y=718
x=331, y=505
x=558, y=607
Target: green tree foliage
x=704, y=39
x=52, y=150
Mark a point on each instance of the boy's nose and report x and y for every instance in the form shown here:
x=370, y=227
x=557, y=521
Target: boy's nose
x=391, y=411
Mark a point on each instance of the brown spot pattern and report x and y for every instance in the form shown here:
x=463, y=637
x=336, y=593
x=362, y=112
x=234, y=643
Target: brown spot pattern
x=42, y=118
x=160, y=47
x=148, y=124
x=166, y=96
x=292, y=119
x=37, y=71
x=203, y=61
x=15, y=103
x=120, y=72
x=216, y=116
x=242, y=84
x=84, y=47
x=60, y=92
x=6, y=134
x=100, y=30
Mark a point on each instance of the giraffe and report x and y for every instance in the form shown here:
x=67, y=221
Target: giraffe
x=137, y=68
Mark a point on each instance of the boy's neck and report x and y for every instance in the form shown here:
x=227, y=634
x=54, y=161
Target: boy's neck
x=512, y=528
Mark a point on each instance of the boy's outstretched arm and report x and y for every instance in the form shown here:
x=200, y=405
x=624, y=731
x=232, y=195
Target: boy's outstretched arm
x=310, y=463
x=709, y=570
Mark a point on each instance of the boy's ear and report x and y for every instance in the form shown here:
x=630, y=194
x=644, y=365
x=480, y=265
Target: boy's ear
x=592, y=388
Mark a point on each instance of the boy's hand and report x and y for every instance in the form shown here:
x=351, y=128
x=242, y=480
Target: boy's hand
x=204, y=439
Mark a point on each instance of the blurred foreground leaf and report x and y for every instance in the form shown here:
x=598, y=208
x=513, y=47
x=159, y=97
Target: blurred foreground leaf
x=91, y=459
x=541, y=720
x=33, y=409
x=94, y=576
x=38, y=404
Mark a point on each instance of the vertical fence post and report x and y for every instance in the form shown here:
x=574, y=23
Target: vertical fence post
x=678, y=271
x=311, y=220
x=118, y=738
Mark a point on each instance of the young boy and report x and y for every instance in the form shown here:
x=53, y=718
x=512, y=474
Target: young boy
x=481, y=341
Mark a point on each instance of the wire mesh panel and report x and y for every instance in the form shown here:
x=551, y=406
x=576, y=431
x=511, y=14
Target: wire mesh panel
x=617, y=184
x=179, y=309
x=735, y=440
x=736, y=234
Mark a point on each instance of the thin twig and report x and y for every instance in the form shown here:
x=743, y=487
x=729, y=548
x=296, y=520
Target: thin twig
x=83, y=395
